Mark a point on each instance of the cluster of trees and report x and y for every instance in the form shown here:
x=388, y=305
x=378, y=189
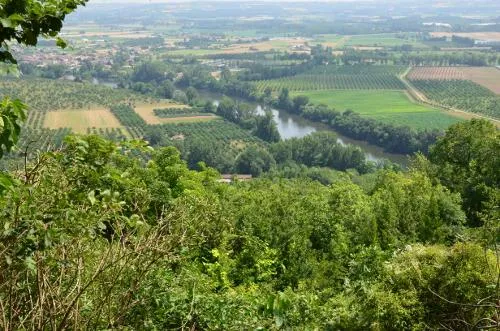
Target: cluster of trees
x=262, y=126
x=99, y=235
x=418, y=58
x=258, y=71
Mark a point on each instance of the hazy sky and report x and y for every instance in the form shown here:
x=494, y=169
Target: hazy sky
x=170, y=1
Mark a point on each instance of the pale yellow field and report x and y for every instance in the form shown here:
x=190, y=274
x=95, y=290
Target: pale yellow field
x=146, y=111
x=486, y=76
x=80, y=120
x=277, y=44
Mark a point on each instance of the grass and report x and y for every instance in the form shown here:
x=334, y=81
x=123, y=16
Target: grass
x=275, y=44
x=393, y=107
x=81, y=120
x=329, y=40
x=381, y=40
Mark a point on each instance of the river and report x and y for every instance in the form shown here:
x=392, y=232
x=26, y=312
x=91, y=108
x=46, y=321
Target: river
x=294, y=126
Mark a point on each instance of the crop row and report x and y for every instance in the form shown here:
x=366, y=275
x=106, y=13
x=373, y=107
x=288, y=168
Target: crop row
x=41, y=139
x=35, y=119
x=177, y=112
x=49, y=95
x=210, y=132
x=461, y=94
x=440, y=73
x=332, y=81
x=360, y=69
x=127, y=116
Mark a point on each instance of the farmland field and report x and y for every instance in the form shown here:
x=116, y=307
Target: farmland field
x=473, y=35
x=381, y=40
x=340, y=77
x=147, y=112
x=49, y=95
x=285, y=44
x=444, y=73
x=80, y=120
x=212, y=132
x=484, y=76
x=488, y=77
x=392, y=107
x=461, y=94
x=329, y=40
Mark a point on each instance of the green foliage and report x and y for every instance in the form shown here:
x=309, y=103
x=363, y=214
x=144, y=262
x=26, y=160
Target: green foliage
x=364, y=77
x=103, y=235
x=254, y=160
x=461, y=94
x=467, y=160
x=12, y=114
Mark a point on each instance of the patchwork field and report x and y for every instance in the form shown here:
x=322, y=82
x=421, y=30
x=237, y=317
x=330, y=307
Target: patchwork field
x=488, y=77
x=473, y=35
x=462, y=95
x=147, y=112
x=484, y=76
x=81, y=120
x=444, y=73
x=329, y=40
x=48, y=95
x=381, y=40
x=109, y=34
x=392, y=107
x=285, y=44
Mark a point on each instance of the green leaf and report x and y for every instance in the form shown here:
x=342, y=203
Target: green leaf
x=61, y=43
x=91, y=197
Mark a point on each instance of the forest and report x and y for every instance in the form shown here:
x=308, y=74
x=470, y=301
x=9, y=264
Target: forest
x=148, y=205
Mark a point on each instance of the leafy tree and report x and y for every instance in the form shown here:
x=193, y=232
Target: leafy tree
x=299, y=102
x=227, y=109
x=180, y=96
x=266, y=128
x=284, y=101
x=148, y=72
x=166, y=89
x=191, y=94
x=254, y=160
x=467, y=159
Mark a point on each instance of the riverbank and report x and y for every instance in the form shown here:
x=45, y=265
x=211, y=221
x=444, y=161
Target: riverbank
x=294, y=126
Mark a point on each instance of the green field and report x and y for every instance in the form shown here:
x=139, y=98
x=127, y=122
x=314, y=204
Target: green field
x=392, y=107
x=356, y=77
x=329, y=40
x=382, y=40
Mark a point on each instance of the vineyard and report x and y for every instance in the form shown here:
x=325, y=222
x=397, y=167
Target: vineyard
x=461, y=94
x=213, y=132
x=133, y=123
x=439, y=73
x=49, y=95
x=488, y=77
x=177, y=112
x=358, y=77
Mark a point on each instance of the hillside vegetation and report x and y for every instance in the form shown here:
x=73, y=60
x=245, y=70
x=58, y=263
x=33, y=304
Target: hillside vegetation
x=100, y=235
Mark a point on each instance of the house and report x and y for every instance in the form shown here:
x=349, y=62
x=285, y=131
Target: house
x=229, y=178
